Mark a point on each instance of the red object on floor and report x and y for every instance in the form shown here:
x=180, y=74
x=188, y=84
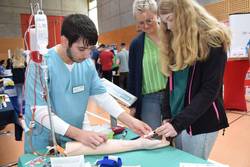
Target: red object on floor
x=234, y=90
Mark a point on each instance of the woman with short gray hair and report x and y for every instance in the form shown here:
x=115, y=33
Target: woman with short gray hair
x=143, y=5
x=146, y=81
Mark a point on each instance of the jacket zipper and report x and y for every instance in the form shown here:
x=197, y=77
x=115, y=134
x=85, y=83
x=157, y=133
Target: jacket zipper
x=189, y=100
x=216, y=111
x=171, y=82
x=189, y=95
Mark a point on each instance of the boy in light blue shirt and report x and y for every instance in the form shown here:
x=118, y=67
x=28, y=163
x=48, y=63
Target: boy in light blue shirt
x=72, y=80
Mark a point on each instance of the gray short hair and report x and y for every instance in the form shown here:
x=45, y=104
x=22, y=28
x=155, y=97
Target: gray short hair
x=143, y=5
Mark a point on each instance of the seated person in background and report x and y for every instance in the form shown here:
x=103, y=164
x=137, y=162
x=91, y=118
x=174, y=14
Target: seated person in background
x=9, y=64
x=2, y=67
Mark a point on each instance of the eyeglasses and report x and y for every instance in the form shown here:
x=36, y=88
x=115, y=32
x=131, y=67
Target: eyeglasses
x=147, y=21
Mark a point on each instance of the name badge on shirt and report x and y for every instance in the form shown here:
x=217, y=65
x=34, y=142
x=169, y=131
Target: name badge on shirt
x=78, y=89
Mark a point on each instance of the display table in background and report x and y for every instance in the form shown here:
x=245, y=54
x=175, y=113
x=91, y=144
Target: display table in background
x=234, y=90
x=7, y=116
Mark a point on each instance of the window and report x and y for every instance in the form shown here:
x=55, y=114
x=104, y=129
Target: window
x=93, y=12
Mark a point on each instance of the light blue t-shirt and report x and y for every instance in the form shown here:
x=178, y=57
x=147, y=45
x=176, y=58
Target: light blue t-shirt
x=69, y=93
x=123, y=57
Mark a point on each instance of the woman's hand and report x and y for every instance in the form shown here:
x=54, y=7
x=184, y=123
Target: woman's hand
x=132, y=111
x=134, y=124
x=167, y=130
x=139, y=127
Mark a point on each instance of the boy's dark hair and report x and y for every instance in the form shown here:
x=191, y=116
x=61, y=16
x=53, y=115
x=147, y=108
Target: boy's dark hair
x=123, y=44
x=2, y=62
x=77, y=26
x=102, y=46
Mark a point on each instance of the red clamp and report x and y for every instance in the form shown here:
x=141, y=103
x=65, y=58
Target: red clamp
x=118, y=129
x=36, y=56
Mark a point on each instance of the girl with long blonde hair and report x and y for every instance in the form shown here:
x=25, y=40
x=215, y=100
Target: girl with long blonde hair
x=193, y=55
x=18, y=71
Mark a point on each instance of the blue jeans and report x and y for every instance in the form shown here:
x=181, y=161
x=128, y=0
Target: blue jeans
x=151, y=112
x=19, y=88
x=198, y=145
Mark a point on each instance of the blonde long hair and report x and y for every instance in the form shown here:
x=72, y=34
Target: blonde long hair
x=194, y=32
x=18, y=59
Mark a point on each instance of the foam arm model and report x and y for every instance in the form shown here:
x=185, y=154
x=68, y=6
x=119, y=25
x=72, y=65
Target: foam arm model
x=114, y=146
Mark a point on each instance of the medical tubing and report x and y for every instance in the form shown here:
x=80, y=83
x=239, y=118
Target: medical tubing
x=34, y=107
x=28, y=30
x=45, y=70
x=33, y=118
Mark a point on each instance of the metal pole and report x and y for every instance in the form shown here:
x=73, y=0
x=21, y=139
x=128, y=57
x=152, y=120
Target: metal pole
x=113, y=121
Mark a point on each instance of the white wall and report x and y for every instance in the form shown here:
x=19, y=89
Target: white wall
x=115, y=14
x=10, y=12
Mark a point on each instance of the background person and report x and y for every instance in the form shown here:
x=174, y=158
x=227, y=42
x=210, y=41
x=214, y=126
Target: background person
x=122, y=60
x=18, y=71
x=106, y=61
x=94, y=56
